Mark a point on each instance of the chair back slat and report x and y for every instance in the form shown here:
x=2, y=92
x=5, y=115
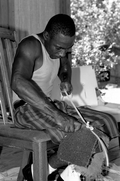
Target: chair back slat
x=6, y=86
x=8, y=34
x=7, y=51
x=3, y=107
x=10, y=54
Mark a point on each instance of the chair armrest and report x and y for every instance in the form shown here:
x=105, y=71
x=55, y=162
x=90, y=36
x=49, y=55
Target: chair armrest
x=23, y=134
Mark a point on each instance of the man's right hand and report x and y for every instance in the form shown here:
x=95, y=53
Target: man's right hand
x=68, y=123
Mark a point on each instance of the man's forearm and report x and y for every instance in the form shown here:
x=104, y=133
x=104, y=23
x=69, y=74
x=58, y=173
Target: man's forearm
x=31, y=93
x=65, y=71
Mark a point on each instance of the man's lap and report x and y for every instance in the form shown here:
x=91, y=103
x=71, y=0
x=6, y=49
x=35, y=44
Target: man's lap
x=32, y=118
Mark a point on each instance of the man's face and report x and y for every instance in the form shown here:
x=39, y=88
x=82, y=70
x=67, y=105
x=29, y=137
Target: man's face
x=59, y=45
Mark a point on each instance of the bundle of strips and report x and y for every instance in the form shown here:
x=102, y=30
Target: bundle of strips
x=78, y=147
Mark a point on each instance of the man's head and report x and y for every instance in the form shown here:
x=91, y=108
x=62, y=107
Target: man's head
x=61, y=23
x=59, y=35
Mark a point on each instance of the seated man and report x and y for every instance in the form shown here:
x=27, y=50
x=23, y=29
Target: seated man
x=39, y=59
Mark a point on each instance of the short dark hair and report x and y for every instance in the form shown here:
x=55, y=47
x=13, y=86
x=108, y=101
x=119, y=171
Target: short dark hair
x=61, y=23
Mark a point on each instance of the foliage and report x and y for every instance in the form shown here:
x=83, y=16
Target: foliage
x=97, y=23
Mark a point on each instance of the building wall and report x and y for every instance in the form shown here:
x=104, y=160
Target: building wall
x=29, y=16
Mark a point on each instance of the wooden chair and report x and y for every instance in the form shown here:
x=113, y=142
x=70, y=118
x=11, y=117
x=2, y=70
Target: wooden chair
x=30, y=141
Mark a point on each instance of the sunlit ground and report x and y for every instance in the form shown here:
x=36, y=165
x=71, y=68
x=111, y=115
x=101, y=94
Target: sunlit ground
x=111, y=93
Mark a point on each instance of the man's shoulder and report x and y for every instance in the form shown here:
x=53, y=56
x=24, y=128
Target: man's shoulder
x=29, y=39
x=30, y=42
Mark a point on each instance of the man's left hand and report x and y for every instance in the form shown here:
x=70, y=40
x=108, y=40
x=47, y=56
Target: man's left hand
x=66, y=86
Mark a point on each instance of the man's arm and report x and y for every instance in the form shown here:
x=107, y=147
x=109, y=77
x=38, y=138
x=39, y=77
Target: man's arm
x=24, y=63
x=65, y=73
x=28, y=52
x=65, y=70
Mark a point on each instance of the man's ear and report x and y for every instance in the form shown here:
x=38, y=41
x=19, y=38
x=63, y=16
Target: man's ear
x=46, y=35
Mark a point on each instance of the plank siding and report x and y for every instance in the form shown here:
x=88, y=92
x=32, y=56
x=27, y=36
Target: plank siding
x=4, y=13
x=29, y=16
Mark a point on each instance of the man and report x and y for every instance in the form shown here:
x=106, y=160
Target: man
x=38, y=60
x=36, y=65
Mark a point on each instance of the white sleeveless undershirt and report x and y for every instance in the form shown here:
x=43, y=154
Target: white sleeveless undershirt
x=46, y=74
